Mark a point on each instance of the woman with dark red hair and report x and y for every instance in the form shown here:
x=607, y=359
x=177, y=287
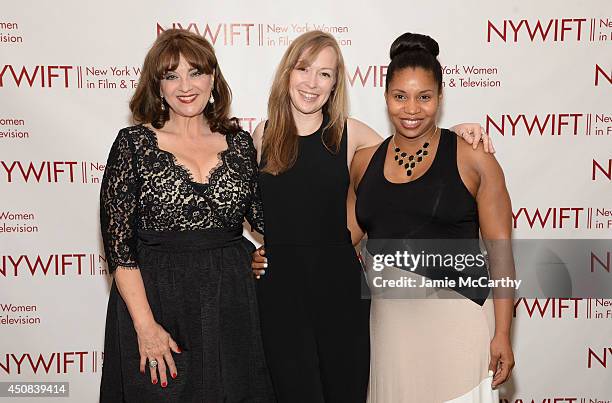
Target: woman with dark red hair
x=182, y=324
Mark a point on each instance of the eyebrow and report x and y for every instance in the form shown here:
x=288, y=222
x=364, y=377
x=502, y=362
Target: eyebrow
x=304, y=63
x=190, y=69
x=400, y=90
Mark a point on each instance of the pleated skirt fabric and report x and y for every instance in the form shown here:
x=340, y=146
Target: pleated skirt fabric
x=201, y=290
x=430, y=348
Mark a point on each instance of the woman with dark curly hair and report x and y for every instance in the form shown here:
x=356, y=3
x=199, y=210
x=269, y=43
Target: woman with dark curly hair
x=182, y=323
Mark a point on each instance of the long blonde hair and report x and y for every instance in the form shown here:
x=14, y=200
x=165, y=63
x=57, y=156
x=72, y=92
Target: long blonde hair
x=280, y=142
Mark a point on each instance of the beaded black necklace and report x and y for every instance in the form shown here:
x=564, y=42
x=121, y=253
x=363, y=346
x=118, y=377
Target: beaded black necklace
x=412, y=160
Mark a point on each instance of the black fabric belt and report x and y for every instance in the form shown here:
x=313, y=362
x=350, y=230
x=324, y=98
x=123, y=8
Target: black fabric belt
x=192, y=240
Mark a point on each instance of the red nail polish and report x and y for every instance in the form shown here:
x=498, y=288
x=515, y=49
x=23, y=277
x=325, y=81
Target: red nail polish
x=179, y=350
x=173, y=376
x=164, y=384
x=154, y=381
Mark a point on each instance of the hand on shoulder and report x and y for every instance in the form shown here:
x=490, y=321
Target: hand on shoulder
x=481, y=166
x=479, y=157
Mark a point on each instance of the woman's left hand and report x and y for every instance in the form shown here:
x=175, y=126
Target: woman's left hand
x=502, y=359
x=473, y=133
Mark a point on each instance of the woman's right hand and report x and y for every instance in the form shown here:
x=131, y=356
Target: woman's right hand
x=259, y=262
x=154, y=343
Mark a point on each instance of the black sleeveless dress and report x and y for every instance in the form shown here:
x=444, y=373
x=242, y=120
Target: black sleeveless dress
x=314, y=322
x=434, y=346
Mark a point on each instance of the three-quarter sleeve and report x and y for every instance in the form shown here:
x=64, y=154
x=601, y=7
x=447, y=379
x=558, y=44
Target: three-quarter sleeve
x=254, y=212
x=118, y=204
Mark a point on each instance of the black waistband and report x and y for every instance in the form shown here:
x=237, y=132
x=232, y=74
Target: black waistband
x=181, y=241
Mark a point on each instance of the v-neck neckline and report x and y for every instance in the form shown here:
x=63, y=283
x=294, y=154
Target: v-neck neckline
x=182, y=168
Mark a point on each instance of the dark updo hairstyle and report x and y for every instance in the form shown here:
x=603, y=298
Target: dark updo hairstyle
x=411, y=51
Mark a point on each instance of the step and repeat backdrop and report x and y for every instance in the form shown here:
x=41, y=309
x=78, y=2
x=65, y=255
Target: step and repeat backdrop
x=537, y=75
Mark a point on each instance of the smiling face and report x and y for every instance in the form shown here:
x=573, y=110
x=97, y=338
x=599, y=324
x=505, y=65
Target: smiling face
x=413, y=99
x=310, y=85
x=186, y=89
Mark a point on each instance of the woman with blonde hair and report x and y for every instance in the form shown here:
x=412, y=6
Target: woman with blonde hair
x=182, y=322
x=314, y=322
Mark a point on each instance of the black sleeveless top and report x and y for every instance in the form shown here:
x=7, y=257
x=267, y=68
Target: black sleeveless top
x=306, y=205
x=435, y=206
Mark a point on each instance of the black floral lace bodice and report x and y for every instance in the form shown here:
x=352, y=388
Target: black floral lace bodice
x=145, y=188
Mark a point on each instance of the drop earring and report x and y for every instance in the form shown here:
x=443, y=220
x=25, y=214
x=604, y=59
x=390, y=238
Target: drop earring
x=163, y=105
x=211, y=100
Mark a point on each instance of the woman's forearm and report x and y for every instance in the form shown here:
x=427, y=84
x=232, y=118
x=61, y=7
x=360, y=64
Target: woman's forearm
x=131, y=288
x=503, y=308
x=501, y=261
x=501, y=266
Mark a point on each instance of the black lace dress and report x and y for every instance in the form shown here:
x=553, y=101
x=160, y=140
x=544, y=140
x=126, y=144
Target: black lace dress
x=186, y=239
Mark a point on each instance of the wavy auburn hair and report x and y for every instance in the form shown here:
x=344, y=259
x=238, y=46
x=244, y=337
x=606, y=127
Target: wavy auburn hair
x=164, y=56
x=280, y=142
